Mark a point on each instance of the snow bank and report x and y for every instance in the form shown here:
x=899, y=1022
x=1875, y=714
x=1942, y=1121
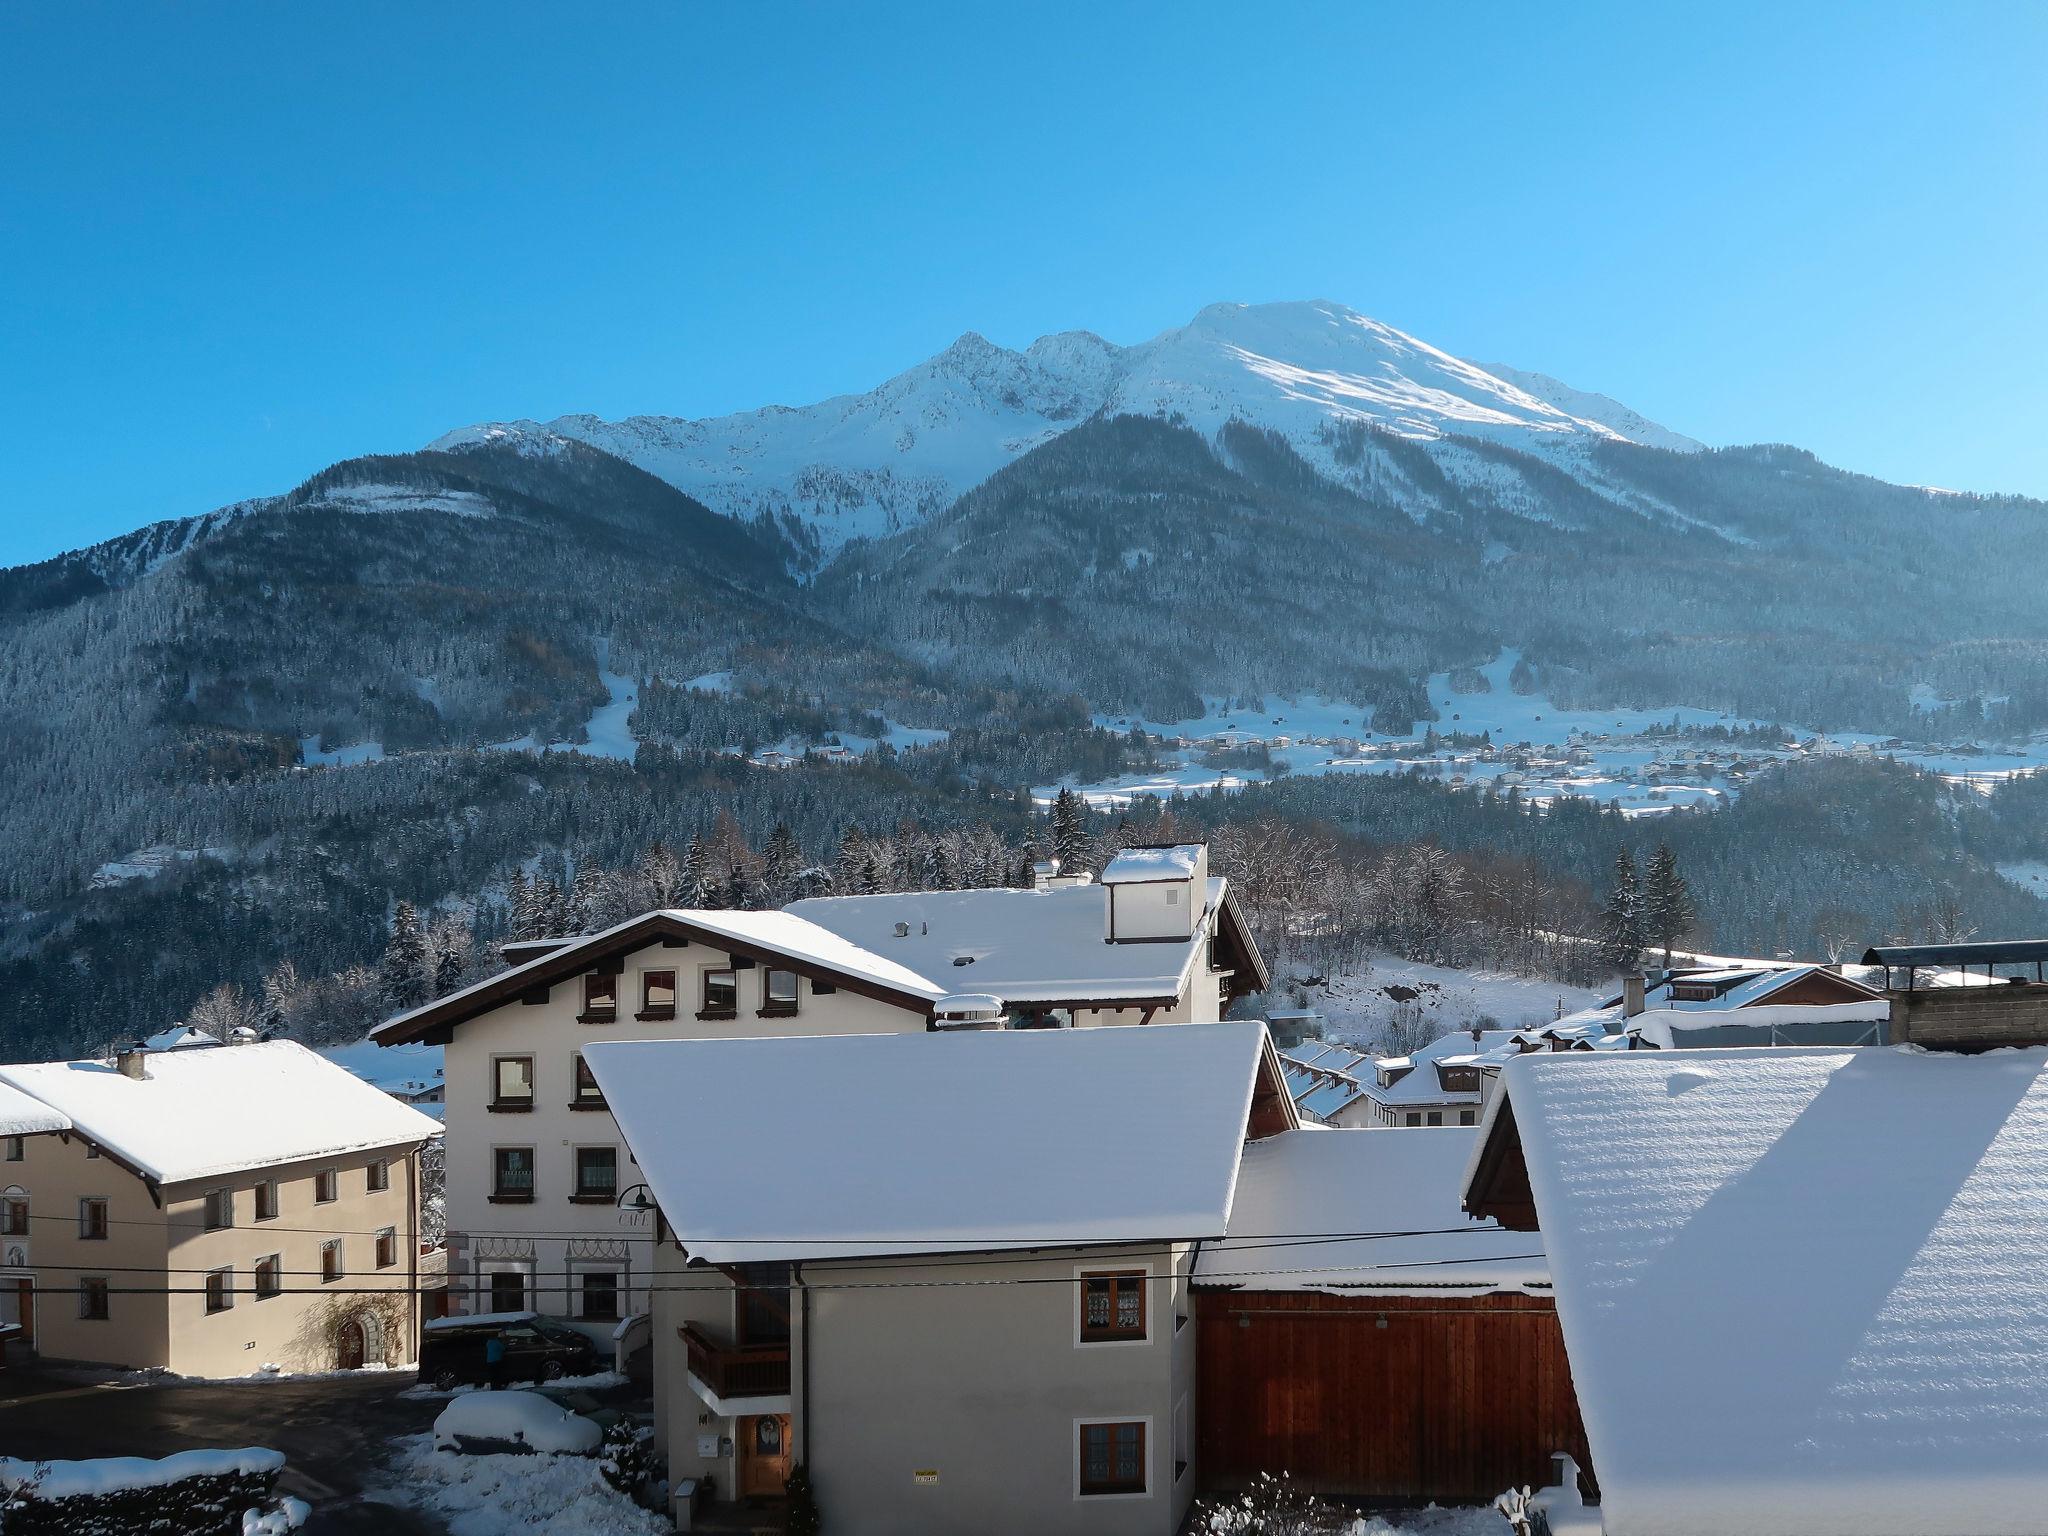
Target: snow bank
x=512, y=1495
x=121, y=1474
x=523, y=1418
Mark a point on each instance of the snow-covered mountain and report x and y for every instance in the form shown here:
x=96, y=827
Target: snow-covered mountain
x=868, y=465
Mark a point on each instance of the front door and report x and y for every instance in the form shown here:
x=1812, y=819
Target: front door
x=764, y=1454
x=18, y=1305
x=348, y=1348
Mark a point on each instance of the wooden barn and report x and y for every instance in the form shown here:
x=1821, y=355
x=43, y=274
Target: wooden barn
x=1359, y=1333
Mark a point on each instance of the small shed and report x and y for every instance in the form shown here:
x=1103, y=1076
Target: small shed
x=1358, y=1333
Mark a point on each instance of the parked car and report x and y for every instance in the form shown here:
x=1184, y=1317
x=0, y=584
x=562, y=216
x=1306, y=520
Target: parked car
x=491, y=1423
x=455, y=1350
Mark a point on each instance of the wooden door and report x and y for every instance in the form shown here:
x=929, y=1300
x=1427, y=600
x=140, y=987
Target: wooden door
x=764, y=1454
x=348, y=1348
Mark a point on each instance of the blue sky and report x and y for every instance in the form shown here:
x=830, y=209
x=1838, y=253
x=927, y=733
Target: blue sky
x=240, y=242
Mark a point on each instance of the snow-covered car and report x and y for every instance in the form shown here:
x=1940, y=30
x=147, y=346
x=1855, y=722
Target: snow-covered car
x=486, y=1422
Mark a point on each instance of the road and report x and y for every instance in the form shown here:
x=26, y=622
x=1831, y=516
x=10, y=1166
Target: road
x=332, y=1430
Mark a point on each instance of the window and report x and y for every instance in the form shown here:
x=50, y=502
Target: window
x=1468, y=1117
x=1413, y=1117
x=1173, y=895
x=266, y=1200
x=1112, y=1458
x=324, y=1190
x=91, y=1150
x=220, y=1209
x=387, y=1247
x=1112, y=1306
x=507, y=1290
x=597, y=1174
x=14, y=1216
x=512, y=1174
x=220, y=1290
x=17, y=1148
x=92, y=1298
x=601, y=1295
x=600, y=1000
x=92, y=1219
x=1434, y=1117
x=512, y=1082
x=330, y=1261
x=657, y=994
x=721, y=995
x=588, y=1094
x=269, y=1276
x=778, y=991
x=380, y=1177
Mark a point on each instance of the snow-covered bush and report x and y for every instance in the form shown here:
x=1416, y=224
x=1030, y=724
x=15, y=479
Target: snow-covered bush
x=627, y=1460
x=1272, y=1506
x=194, y=1493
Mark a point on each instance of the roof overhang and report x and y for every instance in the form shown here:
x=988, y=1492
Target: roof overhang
x=434, y=1022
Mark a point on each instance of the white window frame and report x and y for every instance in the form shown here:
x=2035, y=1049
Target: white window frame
x=485, y=1268
x=577, y=1268
x=1147, y=1270
x=1151, y=1490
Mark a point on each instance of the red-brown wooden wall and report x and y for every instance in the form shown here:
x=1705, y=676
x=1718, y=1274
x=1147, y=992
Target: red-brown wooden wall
x=1455, y=1399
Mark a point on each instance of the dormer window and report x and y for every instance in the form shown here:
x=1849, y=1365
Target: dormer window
x=600, y=1000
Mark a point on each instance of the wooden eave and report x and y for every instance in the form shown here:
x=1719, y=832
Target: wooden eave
x=435, y=1022
x=1250, y=974
x=1499, y=1186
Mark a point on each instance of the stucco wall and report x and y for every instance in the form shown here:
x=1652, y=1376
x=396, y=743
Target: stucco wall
x=528, y=1237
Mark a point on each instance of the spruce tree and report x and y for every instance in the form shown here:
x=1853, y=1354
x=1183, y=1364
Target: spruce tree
x=1621, y=919
x=1669, y=912
x=700, y=879
x=782, y=860
x=404, y=971
x=1071, y=844
x=852, y=872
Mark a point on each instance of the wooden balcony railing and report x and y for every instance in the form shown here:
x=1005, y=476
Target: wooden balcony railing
x=736, y=1370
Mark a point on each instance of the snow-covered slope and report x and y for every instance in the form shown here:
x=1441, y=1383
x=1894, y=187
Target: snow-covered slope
x=865, y=465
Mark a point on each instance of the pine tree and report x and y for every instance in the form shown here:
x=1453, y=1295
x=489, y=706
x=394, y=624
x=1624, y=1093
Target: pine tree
x=781, y=862
x=700, y=879
x=853, y=861
x=1070, y=841
x=586, y=898
x=1669, y=912
x=281, y=989
x=403, y=974
x=1621, y=919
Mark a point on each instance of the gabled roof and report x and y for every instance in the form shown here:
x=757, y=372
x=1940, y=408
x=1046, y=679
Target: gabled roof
x=863, y=1145
x=198, y=1114
x=1309, y=1202
x=1803, y=1290
x=1031, y=947
x=781, y=937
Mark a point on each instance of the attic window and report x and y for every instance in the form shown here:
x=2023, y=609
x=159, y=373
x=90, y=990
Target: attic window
x=963, y=959
x=600, y=1000
x=1173, y=895
x=1694, y=991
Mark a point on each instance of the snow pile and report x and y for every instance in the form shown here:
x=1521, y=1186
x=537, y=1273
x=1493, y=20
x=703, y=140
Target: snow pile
x=123, y=1474
x=513, y=1495
x=1802, y=1289
x=875, y=1144
x=521, y=1418
x=1405, y=1184
x=289, y=1515
x=286, y=1104
x=1680, y=1028
x=1142, y=865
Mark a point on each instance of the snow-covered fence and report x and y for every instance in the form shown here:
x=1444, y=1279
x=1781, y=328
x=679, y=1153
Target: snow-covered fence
x=194, y=1493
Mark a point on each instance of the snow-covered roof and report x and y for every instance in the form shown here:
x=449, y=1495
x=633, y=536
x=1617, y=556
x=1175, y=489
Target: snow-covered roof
x=1023, y=946
x=22, y=1114
x=784, y=933
x=200, y=1113
x=1803, y=1290
x=1294, y=1187
x=179, y=1037
x=1819, y=1023
x=1421, y=1085
x=846, y=1145
x=1138, y=865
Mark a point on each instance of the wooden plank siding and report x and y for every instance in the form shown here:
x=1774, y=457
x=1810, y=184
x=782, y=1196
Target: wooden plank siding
x=1456, y=1399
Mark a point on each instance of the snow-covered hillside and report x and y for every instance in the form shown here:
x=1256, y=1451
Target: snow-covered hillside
x=866, y=465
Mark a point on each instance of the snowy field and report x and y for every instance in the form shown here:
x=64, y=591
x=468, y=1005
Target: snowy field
x=1361, y=1006
x=1628, y=758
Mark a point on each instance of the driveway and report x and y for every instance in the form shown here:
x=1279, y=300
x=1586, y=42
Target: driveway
x=332, y=1430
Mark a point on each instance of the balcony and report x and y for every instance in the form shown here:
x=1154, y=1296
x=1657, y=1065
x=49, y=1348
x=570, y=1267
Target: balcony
x=731, y=1375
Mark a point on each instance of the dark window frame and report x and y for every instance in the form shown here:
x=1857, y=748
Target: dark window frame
x=220, y=1290
x=267, y=1277
x=1120, y=1283
x=600, y=998
x=267, y=1200
x=218, y=1210
x=95, y=1299
x=773, y=1007
x=503, y=1193
x=377, y=1177
x=649, y=1008
x=503, y=1103
x=93, y=1218
x=333, y=1262
x=585, y=1194
x=730, y=1009
x=584, y=1091
x=386, y=1253
x=326, y=1187
x=1110, y=1483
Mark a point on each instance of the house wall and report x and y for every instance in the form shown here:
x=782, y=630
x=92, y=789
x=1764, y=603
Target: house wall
x=1153, y=909
x=553, y=1241
x=298, y=1329
x=1454, y=1399
x=894, y=1376
x=57, y=1174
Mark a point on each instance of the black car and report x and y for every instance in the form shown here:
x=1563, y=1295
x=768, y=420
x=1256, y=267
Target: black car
x=455, y=1350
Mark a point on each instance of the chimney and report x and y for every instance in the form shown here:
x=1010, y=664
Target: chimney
x=1632, y=994
x=129, y=1062
x=1044, y=873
